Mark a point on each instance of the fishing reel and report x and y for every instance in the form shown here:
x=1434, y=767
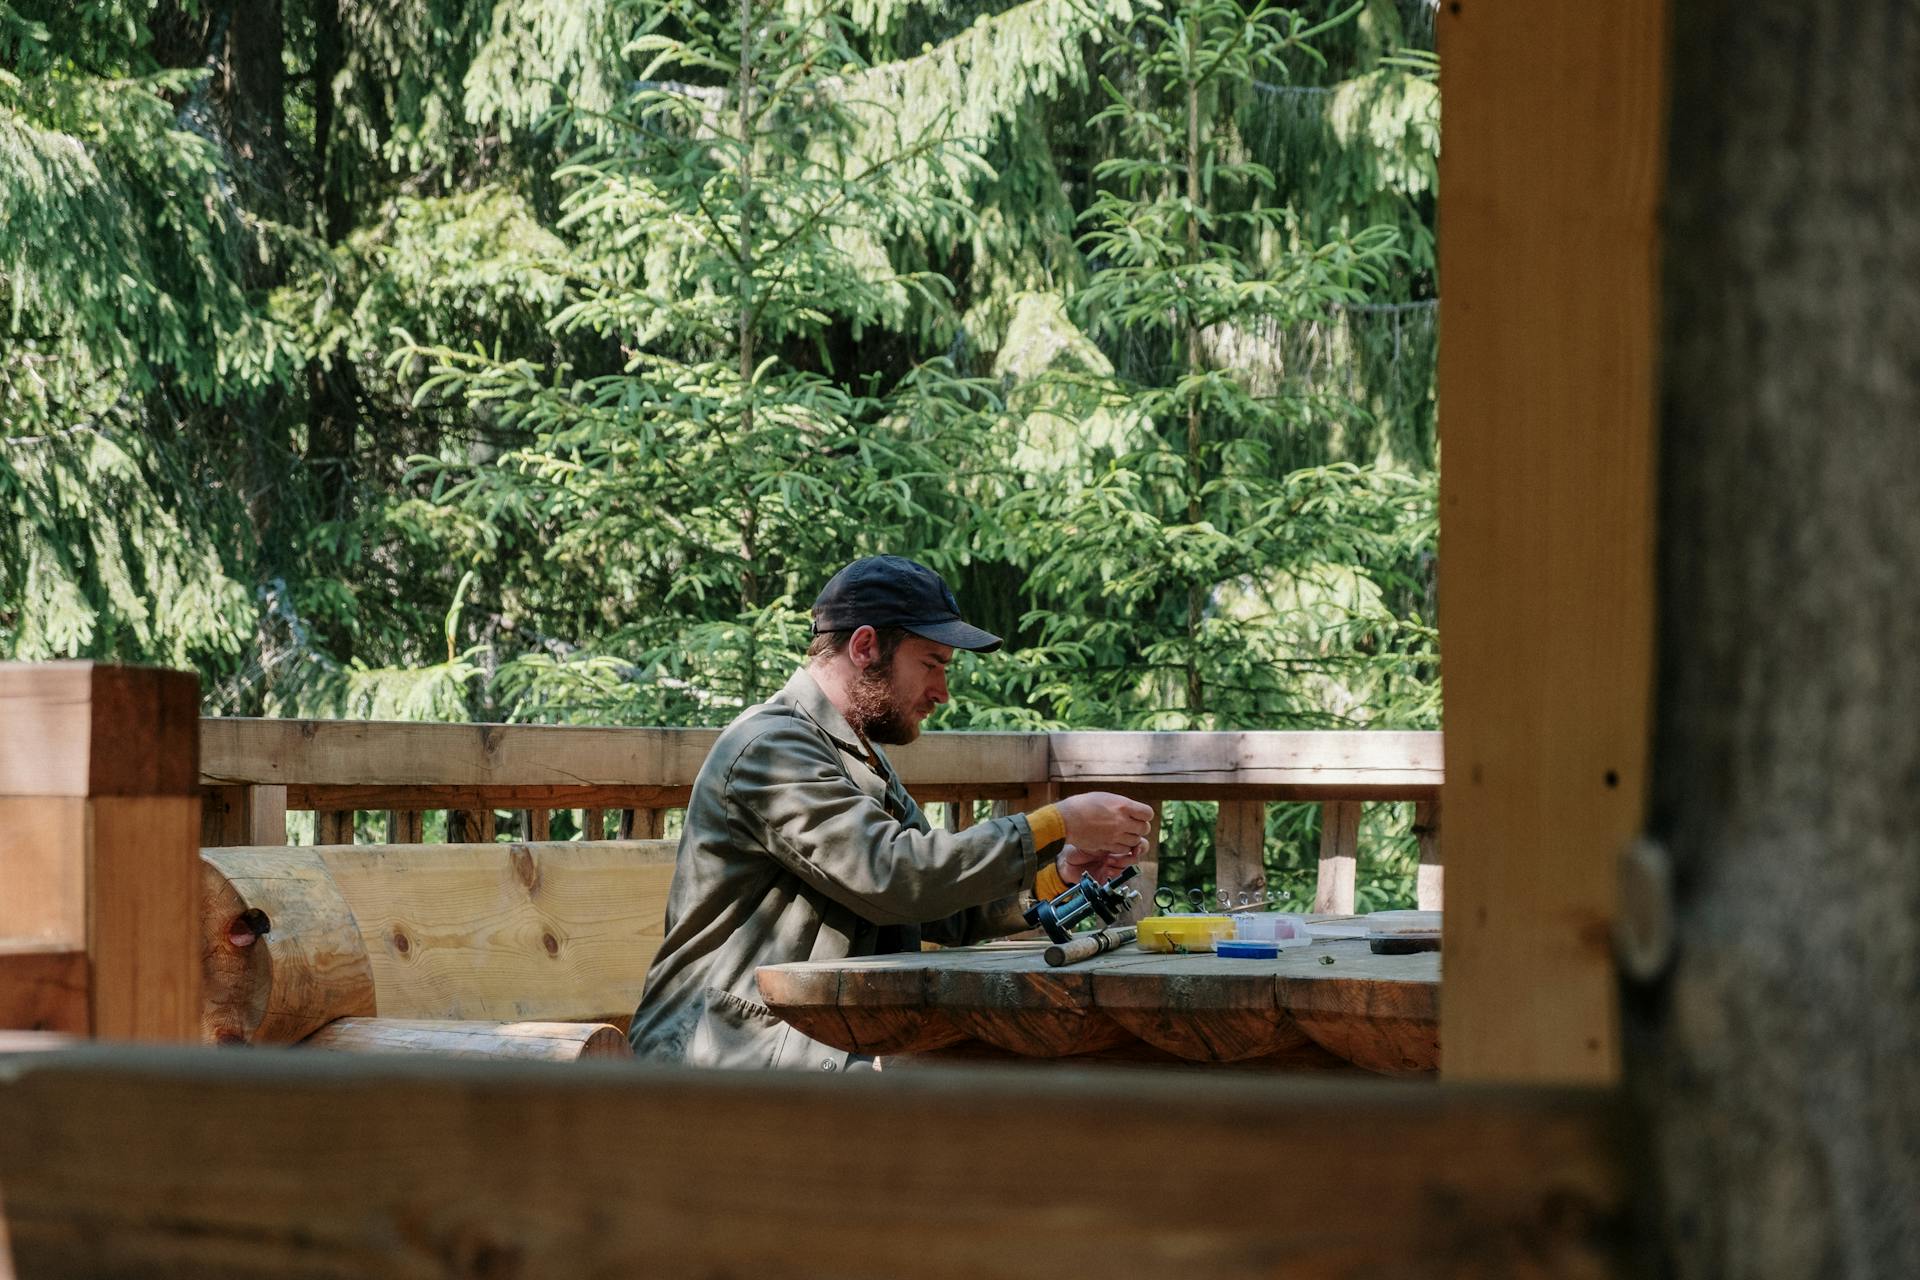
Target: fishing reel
x=1109, y=901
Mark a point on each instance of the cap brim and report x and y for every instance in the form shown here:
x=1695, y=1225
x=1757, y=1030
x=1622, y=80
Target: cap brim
x=961, y=635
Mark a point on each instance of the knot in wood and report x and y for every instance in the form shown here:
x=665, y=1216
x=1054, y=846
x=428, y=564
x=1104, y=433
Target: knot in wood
x=400, y=942
x=525, y=868
x=551, y=943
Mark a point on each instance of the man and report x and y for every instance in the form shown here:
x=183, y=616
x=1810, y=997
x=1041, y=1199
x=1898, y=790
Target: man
x=801, y=844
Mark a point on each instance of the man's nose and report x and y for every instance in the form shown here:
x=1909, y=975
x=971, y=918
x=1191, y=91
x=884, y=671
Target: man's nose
x=940, y=688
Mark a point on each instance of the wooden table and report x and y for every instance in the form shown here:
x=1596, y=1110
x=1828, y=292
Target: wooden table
x=1333, y=1004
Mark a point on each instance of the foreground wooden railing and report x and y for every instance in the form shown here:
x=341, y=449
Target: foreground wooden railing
x=253, y=772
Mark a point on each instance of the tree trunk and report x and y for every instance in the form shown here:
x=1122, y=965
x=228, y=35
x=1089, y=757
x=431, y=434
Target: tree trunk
x=1779, y=1053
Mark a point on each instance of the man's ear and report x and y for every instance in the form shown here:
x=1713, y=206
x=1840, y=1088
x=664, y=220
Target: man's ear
x=864, y=647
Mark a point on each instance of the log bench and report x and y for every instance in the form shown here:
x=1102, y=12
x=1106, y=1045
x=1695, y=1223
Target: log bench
x=500, y=950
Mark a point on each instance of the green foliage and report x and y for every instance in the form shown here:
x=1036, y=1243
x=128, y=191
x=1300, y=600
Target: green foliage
x=539, y=359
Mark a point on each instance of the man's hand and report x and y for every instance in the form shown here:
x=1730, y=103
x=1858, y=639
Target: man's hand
x=1074, y=863
x=1101, y=822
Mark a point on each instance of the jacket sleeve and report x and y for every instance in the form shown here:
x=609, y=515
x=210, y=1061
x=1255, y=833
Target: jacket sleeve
x=791, y=796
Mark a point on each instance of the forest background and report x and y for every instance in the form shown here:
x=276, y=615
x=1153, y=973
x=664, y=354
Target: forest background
x=538, y=360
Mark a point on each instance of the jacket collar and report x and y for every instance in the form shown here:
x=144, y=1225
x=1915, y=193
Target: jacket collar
x=805, y=693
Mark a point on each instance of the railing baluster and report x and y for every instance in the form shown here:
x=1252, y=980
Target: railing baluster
x=1239, y=848
x=1428, y=892
x=642, y=824
x=333, y=826
x=1339, y=849
x=593, y=823
x=470, y=826
x=405, y=826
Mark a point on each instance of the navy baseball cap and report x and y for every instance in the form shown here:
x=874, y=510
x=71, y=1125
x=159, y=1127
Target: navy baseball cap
x=893, y=591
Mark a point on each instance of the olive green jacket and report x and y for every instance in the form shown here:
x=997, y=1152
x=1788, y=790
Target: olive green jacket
x=798, y=848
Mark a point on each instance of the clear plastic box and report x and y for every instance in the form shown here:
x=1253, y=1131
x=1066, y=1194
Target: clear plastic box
x=1282, y=928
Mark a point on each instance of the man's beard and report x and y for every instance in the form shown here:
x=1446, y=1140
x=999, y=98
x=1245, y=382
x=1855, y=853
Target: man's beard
x=875, y=712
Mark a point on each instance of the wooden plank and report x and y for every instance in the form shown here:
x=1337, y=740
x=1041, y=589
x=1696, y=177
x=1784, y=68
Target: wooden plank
x=1430, y=886
x=382, y=754
x=333, y=826
x=593, y=823
x=478, y=796
x=143, y=914
x=1239, y=848
x=43, y=987
x=1364, y=762
x=507, y=932
x=79, y=729
x=405, y=826
x=536, y=1041
x=379, y=1167
x=44, y=899
x=1339, y=855
x=242, y=816
x=1546, y=599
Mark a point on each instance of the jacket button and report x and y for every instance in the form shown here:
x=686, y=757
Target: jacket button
x=826, y=1064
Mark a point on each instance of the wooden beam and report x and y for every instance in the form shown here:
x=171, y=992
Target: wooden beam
x=147, y=1163
x=1339, y=857
x=99, y=835
x=349, y=753
x=1551, y=161
x=1367, y=764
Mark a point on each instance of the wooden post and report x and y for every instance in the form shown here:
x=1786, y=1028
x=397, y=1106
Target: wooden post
x=593, y=823
x=1239, y=848
x=1429, y=890
x=405, y=826
x=959, y=815
x=535, y=824
x=1339, y=852
x=99, y=850
x=1551, y=160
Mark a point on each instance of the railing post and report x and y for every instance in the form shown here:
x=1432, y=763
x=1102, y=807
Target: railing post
x=100, y=850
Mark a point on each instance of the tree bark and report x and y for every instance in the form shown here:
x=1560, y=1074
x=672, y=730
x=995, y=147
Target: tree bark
x=1779, y=1053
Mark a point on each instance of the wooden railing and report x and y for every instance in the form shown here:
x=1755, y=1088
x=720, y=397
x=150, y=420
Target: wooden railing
x=253, y=772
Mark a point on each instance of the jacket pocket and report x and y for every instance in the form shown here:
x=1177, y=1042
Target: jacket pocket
x=734, y=1032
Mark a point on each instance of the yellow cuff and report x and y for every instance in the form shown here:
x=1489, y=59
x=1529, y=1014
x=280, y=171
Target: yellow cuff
x=1048, y=826
x=1048, y=885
